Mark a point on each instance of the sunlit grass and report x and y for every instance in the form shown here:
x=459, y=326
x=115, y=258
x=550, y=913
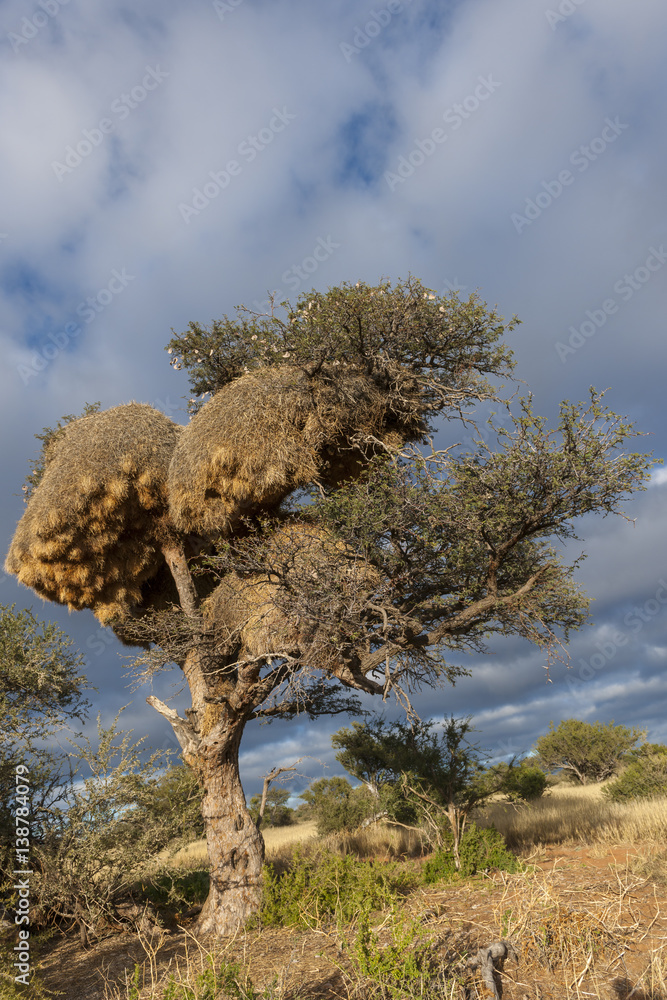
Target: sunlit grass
x=571, y=814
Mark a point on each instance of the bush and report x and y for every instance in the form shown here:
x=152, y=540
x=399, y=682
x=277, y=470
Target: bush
x=328, y=886
x=401, y=969
x=480, y=848
x=525, y=783
x=337, y=806
x=100, y=844
x=644, y=778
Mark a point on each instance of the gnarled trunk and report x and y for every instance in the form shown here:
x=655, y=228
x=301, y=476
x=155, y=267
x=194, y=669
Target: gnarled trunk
x=235, y=845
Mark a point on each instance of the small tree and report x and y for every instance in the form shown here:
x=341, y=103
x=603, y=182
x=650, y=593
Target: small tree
x=397, y=563
x=440, y=774
x=588, y=751
x=41, y=693
x=524, y=781
x=645, y=777
x=336, y=805
x=277, y=812
x=104, y=834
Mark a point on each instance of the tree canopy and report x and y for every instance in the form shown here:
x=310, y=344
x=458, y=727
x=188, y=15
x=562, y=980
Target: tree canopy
x=589, y=751
x=299, y=542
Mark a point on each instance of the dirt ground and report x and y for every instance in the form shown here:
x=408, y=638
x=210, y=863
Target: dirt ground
x=583, y=922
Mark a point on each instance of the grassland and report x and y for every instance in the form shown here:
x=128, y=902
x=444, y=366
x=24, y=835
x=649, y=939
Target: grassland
x=587, y=916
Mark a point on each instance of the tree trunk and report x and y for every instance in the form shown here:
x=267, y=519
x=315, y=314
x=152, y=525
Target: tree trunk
x=235, y=845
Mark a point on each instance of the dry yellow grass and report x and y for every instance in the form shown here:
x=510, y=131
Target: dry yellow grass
x=275, y=838
x=570, y=814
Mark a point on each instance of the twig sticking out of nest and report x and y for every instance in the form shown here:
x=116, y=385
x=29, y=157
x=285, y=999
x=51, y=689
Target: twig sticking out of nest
x=91, y=534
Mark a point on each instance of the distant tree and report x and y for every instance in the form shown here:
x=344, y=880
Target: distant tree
x=588, y=751
x=198, y=544
x=277, y=812
x=336, y=805
x=645, y=777
x=524, y=781
x=438, y=773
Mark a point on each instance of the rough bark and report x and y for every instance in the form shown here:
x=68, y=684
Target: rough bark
x=235, y=845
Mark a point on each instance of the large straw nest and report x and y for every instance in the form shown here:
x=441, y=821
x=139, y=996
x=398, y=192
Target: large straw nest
x=252, y=614
x=91, y=534
x=269, y=432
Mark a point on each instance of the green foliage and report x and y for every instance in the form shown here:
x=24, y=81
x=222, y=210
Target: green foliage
x=49, y=437
x=41, y=692
x=327, y=887
x=276, y=810
x=368, y=329
x=189, y=888
x=523, y=782
x=438, y=775
x=364, y=753
x=173, y=799
x=227, y=982
x=400, y=969
x=644, y=778
x=337, y=806
x=481, y=849
x=589, y=751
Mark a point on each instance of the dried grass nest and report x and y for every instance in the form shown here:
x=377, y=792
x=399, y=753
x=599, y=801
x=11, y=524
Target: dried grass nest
x=91, y=534
x=271, y=431
x=251, y=613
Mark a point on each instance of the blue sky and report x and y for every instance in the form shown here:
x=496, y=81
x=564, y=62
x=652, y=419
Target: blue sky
x=166, y=164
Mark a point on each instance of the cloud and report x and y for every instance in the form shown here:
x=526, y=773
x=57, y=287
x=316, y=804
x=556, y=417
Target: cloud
x=551, y=88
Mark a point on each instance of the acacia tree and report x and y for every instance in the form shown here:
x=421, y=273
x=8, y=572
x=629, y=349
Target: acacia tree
x=440, y=773
x=289, y=549
x=589, y=751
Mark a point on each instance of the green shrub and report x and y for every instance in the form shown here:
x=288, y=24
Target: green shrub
x=644, y=778
x=398, y=970
x=480, y=849
x=185, y=887
x=329, y=887
x=525, y=783
x=229, y=982
x=337, y=806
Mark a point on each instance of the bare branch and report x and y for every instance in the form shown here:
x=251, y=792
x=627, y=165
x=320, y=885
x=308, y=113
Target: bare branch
x=184, y=732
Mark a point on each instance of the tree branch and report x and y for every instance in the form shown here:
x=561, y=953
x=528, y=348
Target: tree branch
x=184, y=732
